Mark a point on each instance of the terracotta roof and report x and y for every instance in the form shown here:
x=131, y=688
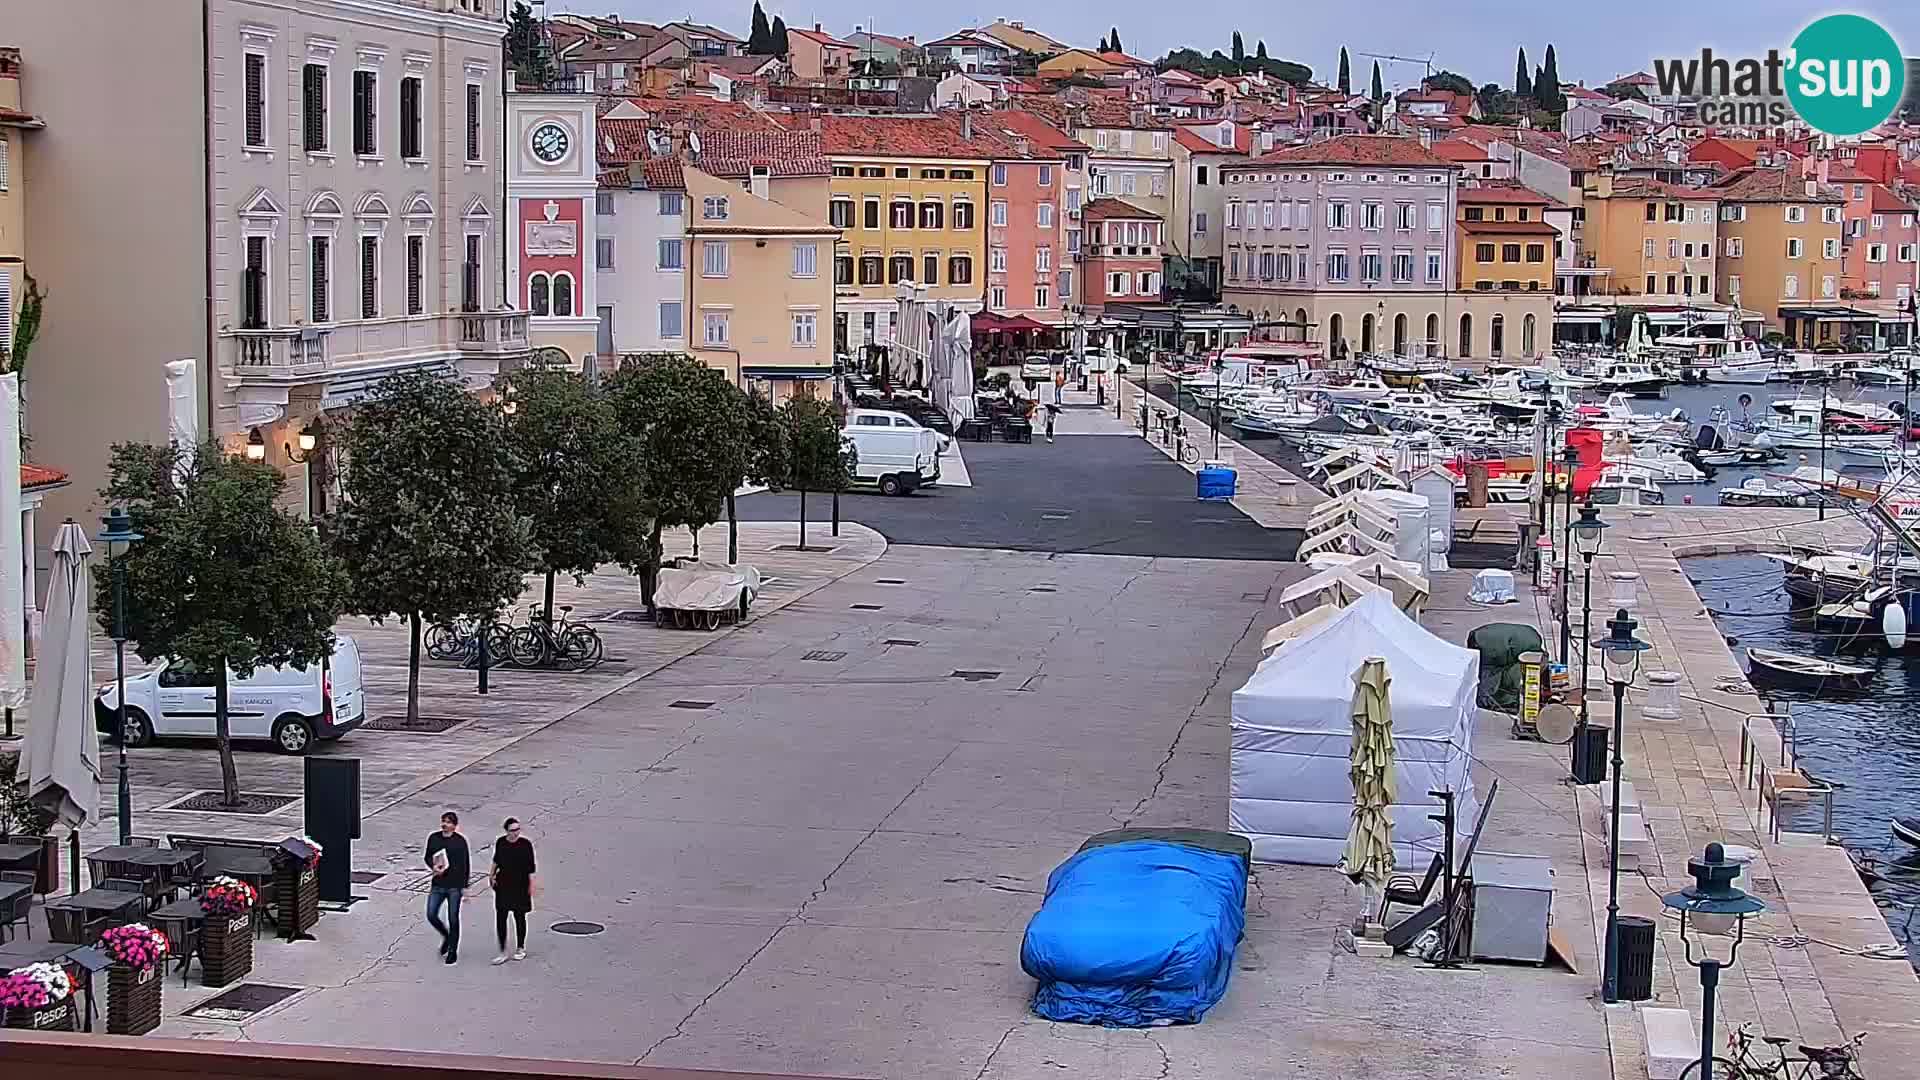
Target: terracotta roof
x=1510, y=227
x=824, y=39
x=1014, y=123
x=739, y=65
x=1099, y=110
x=1510, y=194
x=699, y=112
x=1200, y=144
x=1838, y=173
x=1460, y=150
x=663, y=174
x=617, y=177
x=1770, y=185
x=886, y=39
x=636, y=48
x=33, y=476
x=1123, y=58
x=936, y=136
x=1388, y=150
x=727, y=152
x=1882, y=201
x=1640, y=187
x=706, y=30
x=1103, y=209
x=1584, y=93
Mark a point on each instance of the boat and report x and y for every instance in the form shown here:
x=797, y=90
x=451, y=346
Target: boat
x=1788, y=671
x=1621, y=486
x=1906, y=829
x=1356, y=391
x=1754, y=372
x=1631, y=377
x=1802, y=487
x=1879, y=375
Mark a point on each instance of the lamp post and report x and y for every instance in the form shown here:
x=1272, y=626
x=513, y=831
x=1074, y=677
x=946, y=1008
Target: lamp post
x=120, y=538
x=1622, y=654
x=1588, y=532
x=256, y=446
x=309, y=439
x=1570, y=458
x=1712, y=906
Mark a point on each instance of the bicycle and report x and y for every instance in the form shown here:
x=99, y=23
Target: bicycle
x=459, y=638
x=544, y=643
x=1186, y=453
x=1816, y=1063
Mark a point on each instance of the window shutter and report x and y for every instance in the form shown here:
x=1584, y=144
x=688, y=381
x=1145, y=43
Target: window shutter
x=409, y=118
x=321, y=285
x=470, y=276
x=314, y=94
x=369, y=277
x=416, y=257
x=4, y=145
x=473, y=122
x=256, y=113
x=6, y=312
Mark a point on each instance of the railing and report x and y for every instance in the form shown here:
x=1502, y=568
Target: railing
x=284, y=350
x=299, y=351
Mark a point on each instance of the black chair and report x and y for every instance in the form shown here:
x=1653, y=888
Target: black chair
x=143, y=841
x=1401, y=888
x=17, y=909
x=68, y=926
x=141, y=890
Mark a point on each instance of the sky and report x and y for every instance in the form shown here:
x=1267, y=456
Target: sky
x=1593, y=42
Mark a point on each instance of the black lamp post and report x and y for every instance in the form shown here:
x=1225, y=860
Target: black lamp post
x=309, y=439
x=1588, y=532
x=1570, y=458
x=120, y=538
x=1713, y=906
x=1622, y=652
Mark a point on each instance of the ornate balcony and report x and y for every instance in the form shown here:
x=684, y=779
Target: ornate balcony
x=262, y=367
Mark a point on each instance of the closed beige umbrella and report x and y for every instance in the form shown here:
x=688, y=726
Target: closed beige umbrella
x=61, y=764
x=1368, y=856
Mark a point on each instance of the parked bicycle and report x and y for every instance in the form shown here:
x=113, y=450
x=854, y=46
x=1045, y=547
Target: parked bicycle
x=543, y=642
x=1751, y=1062
x=459, y=638
x=1185, y=452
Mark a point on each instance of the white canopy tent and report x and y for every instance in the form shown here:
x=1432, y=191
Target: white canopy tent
x=1293, y=730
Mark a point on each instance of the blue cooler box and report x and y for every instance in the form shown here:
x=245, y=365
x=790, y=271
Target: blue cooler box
x=1216, y=483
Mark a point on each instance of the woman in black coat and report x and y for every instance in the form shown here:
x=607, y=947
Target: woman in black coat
x=513, y=887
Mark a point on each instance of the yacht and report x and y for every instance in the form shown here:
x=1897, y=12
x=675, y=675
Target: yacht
x=1632, y=377
x=1355, y=391
x=1621, y=486
x=1802, y=487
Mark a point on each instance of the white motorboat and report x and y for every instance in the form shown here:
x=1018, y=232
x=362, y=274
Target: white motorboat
x=1881, y=375
x=1631, y=377
x=1742, y=373
x=1618, y=414
x=1802, y=487
x=1621, y=486
x=1356, y=391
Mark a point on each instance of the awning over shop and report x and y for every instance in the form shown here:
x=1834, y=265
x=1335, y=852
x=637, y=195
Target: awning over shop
x=775, y=373
x=1830, y=314
x=990, y=322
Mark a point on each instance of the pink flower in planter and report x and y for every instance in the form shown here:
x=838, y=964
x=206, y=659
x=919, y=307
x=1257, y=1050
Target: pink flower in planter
x=137, y=945
x=35, y=987
x=228, y=896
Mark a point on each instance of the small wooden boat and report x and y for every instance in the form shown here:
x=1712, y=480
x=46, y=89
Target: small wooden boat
x=1907, y=829
x=1804, y=672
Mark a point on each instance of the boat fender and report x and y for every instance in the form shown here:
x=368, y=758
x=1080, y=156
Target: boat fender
x=1893, y=623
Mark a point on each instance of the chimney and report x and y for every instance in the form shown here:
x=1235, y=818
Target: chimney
x=814, y=123
x=966, y=125
x=1822, y=170
x=759, y=180
x=1022, y=145
x=816, y=28
x=1426, y=137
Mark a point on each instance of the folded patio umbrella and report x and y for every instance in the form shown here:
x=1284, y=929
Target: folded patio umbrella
x=61, y=764
x=1369, y=852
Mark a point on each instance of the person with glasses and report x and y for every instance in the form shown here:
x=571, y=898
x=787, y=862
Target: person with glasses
x=513, y=887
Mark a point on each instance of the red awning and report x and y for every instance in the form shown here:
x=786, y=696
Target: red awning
x=991, y=322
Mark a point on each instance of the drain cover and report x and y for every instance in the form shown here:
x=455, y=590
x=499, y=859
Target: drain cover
x=889, y=581
x=243, y=1001
x=900, y=641
x=420, y=725
x=577, y=928
x=864, y=607
x=824, y=656
x=974, y=676
x=367, y=877
x=686, y=704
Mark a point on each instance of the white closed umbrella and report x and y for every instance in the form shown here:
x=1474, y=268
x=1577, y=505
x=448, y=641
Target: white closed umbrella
x=62, y=761
x=1368, y=856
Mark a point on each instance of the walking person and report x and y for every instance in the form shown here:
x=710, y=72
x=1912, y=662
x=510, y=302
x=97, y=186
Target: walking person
x=447, y=858
x=1053, y=410
x=513, y=886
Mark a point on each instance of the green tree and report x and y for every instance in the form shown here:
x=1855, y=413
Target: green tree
x=691, y=424
x=818, y=457
x=1497, y=104
x=1113, y=40
x=778, y=35
x=1346, y=75
x=1546, y=89
x=526, y=48
x=760, y=38
x=428, y=529
x=224, y=580
x=26, y=327
x=1260, y=51
x=579, y=478
x=768, y=462
x=1522, y=82
x=1239, y=49
x=1377, y=92
x=1447, y=80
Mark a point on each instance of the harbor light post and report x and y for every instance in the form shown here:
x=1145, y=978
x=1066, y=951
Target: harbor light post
x=1622, y=654
x=1570, y=458
x=1587, y=535
x=1713, y=906
x=120, y=538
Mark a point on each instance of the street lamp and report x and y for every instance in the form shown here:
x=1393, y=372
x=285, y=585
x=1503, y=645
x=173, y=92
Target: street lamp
x=1570, y=458
x=1588, y=533
x=120, y=538
x=1621, y=651
x=308, y=439
x=1712, y=906
x=256, y=446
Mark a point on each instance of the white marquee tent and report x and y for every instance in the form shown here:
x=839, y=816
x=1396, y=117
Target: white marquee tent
x=1292, y=734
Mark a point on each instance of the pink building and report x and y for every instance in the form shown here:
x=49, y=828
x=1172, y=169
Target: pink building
x=814, y=54
x=1039, y=178
x=1879, y=240
x=1122, y=255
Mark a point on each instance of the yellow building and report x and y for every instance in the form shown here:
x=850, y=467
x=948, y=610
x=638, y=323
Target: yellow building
x=1779, y=253
x=1655, y=239
x=14, y=124
x=759, y=287
x=1506, y=244
x=909, y=197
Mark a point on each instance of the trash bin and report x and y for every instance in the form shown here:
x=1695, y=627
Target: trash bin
x=1633, y=979
x=1590, y=754
x=1216, y=483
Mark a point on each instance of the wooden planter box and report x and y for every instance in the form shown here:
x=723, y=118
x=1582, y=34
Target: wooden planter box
x=296, y=897
x=226, y=949
x=133, y=999
x=59, y=1016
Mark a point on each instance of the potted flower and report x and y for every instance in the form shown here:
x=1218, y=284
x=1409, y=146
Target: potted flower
x=139, y=953
x=296, y=886
x=226, y=938
x=38, y=997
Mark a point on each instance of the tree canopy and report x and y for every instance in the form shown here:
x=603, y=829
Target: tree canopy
x=818, y=457
x=1239, y=49
x=1447, y=80
x=1220, y=64
x=526, y=48
x=778, y=34
x=1546, y=87
x=1113, y=40
x=1377, y=92
x=1346, y=74
x=760, y=37
x=1522, y=82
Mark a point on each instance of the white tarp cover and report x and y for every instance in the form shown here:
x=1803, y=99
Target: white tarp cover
x=705, y=586
x=1293, y=732
x=13, y=583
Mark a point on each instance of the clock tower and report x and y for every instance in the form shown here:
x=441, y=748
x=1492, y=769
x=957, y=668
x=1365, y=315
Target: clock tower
x=552, y=173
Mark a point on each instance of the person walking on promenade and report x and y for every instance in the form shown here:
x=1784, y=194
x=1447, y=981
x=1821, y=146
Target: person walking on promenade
x=447, y=858
x=513, y=885
x=1053, y=411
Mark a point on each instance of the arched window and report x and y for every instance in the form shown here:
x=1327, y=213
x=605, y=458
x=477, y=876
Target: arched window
x=539, y=293
x=1496, y=337
x=1300, y=316
x=1366, y=334
x=1466, y=336
x=563, y=294
x=1526, y=337
x=1400, y=334
x=1336, y=347
x=1432, y=344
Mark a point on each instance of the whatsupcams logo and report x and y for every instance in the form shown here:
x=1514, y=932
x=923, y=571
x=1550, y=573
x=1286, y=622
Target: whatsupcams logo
x=1843, y=75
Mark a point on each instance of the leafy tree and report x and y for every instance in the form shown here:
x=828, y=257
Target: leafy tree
x=1522, y=83
x=224, y=579
x=1377, y=92
x=691, y=425
x=1625, y=91
x=768, y=461
x=818, y=458
x=1113, y=40
x=1546, y=89
x=1346, y=75
x=579, y=477
x=1498, y=104
x=1239, y=49
x=428, y=529
x=526, y=48
x=1447, y=80
x=760, y=38
x=1260, y=51
x=1220, y=64
x=778, y=35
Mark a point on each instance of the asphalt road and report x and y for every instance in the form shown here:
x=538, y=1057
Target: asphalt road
x=1093, y=494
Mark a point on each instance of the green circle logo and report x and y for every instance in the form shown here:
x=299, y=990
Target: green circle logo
x=1845, y=75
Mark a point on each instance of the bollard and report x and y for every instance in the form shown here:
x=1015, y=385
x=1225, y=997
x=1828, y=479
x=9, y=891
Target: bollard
x=1625, y=586
x=485, y=625
x=1663, y=696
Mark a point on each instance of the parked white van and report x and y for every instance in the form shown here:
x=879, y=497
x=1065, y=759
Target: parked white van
x=290, y=706
x=894, y=451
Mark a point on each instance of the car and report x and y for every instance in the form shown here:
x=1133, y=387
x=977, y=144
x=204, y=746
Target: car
x=894, y=452
x=1036, y=368
x=291, y=707
x=1100, y=362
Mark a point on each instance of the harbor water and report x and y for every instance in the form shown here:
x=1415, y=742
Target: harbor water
x=1699, y=401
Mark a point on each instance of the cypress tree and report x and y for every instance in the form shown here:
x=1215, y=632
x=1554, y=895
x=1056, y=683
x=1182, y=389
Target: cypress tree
x=1346, y=76
x=1113, y=40
x=1550, y=98
x=1260, y=52
x=778, y=37
x=1522, y=83
x=1377, y=93
x=1239, y=50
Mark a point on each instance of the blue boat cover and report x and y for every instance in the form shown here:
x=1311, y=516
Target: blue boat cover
x=1135, y=934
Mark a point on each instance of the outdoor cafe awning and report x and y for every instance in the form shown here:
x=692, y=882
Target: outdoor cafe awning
x=1829, y=314
x=989, y=322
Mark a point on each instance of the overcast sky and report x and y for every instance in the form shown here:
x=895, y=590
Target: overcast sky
x=1594, y=42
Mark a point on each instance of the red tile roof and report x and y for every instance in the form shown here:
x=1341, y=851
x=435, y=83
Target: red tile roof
x=615, y=178
x=1105, y=209
x=1099, y=110
x=1460, y=150
x=1015, y=123
x=1640, y=187
x=1123, y=58
x=33, y=476
x=824, y=39
x=1387, y=150
x=700, y=112
x=941, y=135
x=1756, y=184
x=1200, y=144
x=1882, y=201
x=663, y=174
x=1585, y=93
x=1510, y=227
x=1509, y=194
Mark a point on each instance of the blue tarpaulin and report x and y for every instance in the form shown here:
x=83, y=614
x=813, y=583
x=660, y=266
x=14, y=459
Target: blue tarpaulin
x=1136, y=933
x=1216, y=483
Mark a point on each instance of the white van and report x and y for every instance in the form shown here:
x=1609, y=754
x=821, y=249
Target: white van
x=288, y=706
x=894, y=451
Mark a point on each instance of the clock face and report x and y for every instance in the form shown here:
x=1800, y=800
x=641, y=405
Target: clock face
x=549, y=142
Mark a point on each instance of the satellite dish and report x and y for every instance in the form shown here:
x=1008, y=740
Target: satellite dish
x=1555, y=723
x=1893, y=623
x=693, y=142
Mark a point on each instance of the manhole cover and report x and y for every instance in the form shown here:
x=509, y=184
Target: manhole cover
x=1255, y=597
x=367, y=877
x=688, y=704
x=864, y=607
x=824, y=656
x=242, y=1001
x=890, y=581
x=901, y=641
x=419, y=725
x=974, y=676
x=577, y=928
x=212, y=802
